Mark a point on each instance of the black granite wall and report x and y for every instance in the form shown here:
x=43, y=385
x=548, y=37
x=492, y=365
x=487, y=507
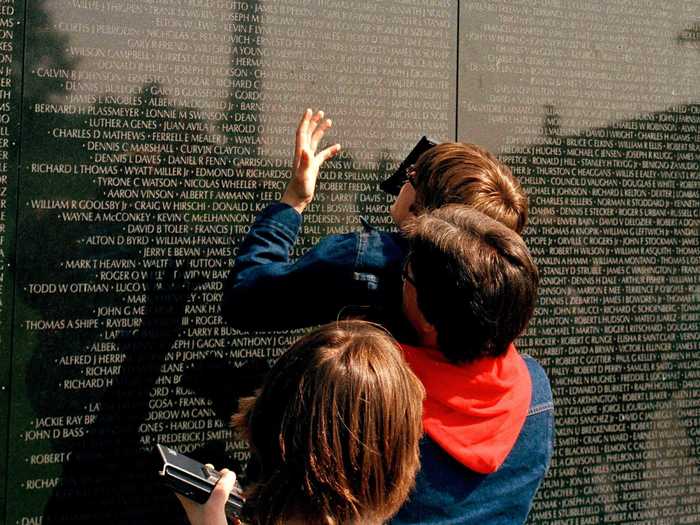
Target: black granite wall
x=139, y=138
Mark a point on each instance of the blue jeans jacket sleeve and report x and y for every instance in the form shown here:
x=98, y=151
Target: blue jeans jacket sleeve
x=267, y=289
x=266, y=248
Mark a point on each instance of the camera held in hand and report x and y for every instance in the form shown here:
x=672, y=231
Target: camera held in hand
x=195, y=480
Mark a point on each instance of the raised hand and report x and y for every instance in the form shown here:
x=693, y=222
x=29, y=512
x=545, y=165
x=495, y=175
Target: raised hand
x=307, y=161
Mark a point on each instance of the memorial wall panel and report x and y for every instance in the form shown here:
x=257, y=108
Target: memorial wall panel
x=596, y=108
x=11, y=38
x=152, y=133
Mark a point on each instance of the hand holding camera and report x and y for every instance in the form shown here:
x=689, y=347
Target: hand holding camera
x=213, y=511
x=210, y=497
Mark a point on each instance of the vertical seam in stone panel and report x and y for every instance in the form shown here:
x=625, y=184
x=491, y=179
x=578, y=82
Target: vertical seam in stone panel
x=12, y=317
x=457, y=77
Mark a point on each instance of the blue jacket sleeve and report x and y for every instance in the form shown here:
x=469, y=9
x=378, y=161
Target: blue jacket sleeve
x=268, y=290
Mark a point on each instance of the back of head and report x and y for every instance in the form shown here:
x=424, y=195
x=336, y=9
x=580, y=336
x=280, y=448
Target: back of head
x=475, y=281
x=335, y=428
x=460, y=173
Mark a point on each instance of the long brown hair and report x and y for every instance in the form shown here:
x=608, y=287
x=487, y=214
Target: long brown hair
x=335, y=429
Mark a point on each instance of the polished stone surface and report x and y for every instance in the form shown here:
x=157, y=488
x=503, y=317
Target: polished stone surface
x=153, y=131
x=596, y=108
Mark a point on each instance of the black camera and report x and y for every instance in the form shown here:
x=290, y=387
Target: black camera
x=194, y=480
x=393, y=184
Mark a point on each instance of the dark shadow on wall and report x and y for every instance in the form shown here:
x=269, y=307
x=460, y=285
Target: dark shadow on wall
x=110, y=476
x=110, y=473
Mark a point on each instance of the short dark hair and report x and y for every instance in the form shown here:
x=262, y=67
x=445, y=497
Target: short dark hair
x=335, y=428
x=462, y=173
x=475, y=280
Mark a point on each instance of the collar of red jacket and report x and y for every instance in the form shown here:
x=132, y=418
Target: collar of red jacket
x=473, y=411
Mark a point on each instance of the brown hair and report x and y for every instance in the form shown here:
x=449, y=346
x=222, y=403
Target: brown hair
x=459, y=173
x=335, y=429
x=475, y=280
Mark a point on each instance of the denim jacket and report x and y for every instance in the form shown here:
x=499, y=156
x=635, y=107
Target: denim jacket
x=267, y=290
x=448, y=493
x=357, y=273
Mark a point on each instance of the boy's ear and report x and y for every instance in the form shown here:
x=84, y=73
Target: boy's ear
x=429, y=333
x=426, y=329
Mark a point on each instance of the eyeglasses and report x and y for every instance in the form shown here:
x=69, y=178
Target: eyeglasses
x=411, y=175
x=405, y=273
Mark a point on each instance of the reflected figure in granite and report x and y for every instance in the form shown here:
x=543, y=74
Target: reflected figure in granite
x=460, y=309
x=111, y=474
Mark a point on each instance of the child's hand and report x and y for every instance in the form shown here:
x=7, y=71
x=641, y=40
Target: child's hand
x=300, y=189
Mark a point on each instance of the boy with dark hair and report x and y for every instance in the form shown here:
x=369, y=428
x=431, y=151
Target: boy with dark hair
x=472, y=275
x=470, y=288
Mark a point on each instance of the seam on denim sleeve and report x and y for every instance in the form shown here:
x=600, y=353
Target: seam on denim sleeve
x=364, y=276
x=542, y=407
x=372, y=281
x=362, y=241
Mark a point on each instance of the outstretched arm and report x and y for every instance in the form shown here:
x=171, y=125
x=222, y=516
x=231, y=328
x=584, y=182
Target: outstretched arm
x=341, y=275
x=264, y=280
x=276, y=229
